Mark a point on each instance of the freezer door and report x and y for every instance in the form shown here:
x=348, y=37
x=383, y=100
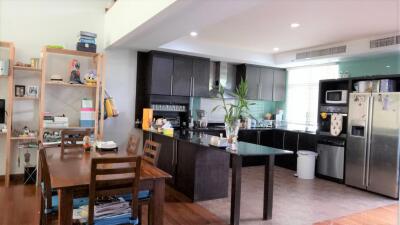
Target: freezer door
x=357, y=133
x=384, y=148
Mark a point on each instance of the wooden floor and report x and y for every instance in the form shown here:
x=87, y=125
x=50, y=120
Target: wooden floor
x=19, y=205
x=388, y=215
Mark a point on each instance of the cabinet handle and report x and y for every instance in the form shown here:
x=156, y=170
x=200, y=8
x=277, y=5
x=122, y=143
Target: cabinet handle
x=193, y=86
x=283, y=141
x=172, y=80
x=298, y=138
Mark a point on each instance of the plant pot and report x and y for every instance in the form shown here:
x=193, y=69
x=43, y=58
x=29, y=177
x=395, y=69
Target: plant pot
x=232, y=131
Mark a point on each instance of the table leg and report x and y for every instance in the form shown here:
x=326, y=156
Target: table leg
x=157, y=202
x=236, y=189
x=268, y=187
x=65, y=207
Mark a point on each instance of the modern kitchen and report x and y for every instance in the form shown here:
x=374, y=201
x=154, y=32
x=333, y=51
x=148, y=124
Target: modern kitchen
x=223, y=112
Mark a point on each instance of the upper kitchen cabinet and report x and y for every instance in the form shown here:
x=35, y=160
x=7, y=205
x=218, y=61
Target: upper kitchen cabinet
x=174, y=75
x=182, y=77
x=201, y=77
x=265, y=83
x=160, y=68
x=279, y=91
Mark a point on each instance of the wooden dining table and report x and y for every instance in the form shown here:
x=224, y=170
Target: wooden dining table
x=70, y=176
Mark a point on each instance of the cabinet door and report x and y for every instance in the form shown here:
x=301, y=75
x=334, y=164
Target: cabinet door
x=279, y=85
x=249, y=136
x=290, y=143
x=167, y=157
x=307, y=142
x=185, y=169
x=162, y=67
x=253, y=81
x=267, y=138
x=182, y=78
x=201, y=77
x=266, y=83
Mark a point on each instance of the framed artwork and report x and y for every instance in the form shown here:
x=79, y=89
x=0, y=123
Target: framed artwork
x=33, y=91
x=19, y=90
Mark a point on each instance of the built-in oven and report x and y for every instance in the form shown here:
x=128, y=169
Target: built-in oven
x=336, y=97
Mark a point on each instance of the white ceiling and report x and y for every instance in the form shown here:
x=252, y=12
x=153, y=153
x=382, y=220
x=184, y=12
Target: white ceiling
x=267, y=25
x=248, y=30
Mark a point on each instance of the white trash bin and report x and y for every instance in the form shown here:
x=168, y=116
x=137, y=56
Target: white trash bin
x=306, y=164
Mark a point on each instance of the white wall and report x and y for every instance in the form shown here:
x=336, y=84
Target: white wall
x=34, y=24
x=121, y=85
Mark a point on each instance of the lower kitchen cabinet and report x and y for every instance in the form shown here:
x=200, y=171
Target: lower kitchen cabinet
x=201, y=173
x=307, y=142
x=251, y=136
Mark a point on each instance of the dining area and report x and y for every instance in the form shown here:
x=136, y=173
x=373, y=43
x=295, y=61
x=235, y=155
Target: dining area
x=76, y=184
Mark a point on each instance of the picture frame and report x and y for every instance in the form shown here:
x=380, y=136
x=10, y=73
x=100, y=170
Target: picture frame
x=19, y=90
x=33, y=90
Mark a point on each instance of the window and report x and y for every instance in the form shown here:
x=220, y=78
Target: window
x=302, y=92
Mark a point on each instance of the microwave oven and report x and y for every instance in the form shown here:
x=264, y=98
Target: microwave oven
x=336, y=97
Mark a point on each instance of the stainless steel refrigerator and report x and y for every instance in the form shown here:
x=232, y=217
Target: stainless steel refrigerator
x=372, y=153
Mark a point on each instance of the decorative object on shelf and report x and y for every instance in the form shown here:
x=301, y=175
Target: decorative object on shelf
x=21, y=64
x=4, y=66
x=25, y=132
x=19, y=90
x=86, y=143
x=75, y=74
x=33, y=90
x=90, y=78
x=88, y=115
x=55, y=46
x=52, y=121
x=233, y=112
x=35, y=62
x=147, y=118
x=56, y=77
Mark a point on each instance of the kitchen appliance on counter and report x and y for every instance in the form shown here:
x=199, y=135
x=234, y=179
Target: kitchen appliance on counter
x=373, y=149
x=330, y=161
x=201, y=121
x=336, y=97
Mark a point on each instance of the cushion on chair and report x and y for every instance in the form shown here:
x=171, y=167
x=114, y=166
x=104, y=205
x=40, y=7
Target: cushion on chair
x=142, y=195
x=117, y=219
x=77, y=202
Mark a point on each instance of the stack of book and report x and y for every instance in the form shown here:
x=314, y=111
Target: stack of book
x=86, y=42
x=51, y=121
x=88, y=114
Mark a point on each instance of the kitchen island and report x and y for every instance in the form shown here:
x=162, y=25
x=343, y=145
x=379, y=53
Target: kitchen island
x=201, y=168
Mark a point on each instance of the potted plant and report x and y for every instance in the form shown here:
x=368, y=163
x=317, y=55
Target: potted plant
x=233, y=112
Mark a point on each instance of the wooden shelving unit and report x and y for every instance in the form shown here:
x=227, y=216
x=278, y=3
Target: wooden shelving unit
x=11, y=48
x=97, y=91
x=23, y=138
x=26, y=98
x=24, y=68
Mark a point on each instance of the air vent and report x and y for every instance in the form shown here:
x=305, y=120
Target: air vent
x=321, y=52
x=383, y=42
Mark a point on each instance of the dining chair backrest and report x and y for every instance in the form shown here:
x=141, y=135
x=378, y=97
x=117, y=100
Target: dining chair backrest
x=133, y=144
x=70, y=138
x=151, y=151
x=114, y=176
x=45, y=177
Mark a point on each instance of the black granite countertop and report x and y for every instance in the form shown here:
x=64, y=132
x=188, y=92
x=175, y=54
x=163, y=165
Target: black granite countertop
x=243, y=148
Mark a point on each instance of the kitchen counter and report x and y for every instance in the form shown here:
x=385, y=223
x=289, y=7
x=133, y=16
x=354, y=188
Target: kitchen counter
x=243, y=148
x=288, y=127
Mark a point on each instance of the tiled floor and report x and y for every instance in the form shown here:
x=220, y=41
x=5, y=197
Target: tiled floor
x=296, y=202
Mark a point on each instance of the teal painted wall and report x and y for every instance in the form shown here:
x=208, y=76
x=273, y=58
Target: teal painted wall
x=382, y=65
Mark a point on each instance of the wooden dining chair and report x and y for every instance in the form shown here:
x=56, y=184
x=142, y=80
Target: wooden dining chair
x=114, y=176
x=49, y=197
x=133, y=144
x=72, y=138
x=151, y=151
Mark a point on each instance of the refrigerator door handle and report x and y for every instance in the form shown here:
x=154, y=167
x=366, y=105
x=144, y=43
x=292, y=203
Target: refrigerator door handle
x=370, y=120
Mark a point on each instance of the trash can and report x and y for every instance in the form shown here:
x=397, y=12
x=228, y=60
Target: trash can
x=306, y=164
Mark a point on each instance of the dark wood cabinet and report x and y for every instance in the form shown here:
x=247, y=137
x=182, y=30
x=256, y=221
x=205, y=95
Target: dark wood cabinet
x=201, y=77
x=265, y=83
x=161, y=68
x=249, y=136
x=267, y=138
x=167, y=157
x=201, y=174
x=182, y=76
x=307, y=142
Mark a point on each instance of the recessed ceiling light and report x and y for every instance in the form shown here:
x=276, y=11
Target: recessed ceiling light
x=275, y=49
x=387, y=66
x=193, y=33
x=294, y=25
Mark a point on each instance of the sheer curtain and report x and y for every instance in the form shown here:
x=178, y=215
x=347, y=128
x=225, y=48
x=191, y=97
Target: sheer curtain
x=302, y=92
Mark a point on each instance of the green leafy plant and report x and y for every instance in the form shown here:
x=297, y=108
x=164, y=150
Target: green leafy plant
x=233, y=112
